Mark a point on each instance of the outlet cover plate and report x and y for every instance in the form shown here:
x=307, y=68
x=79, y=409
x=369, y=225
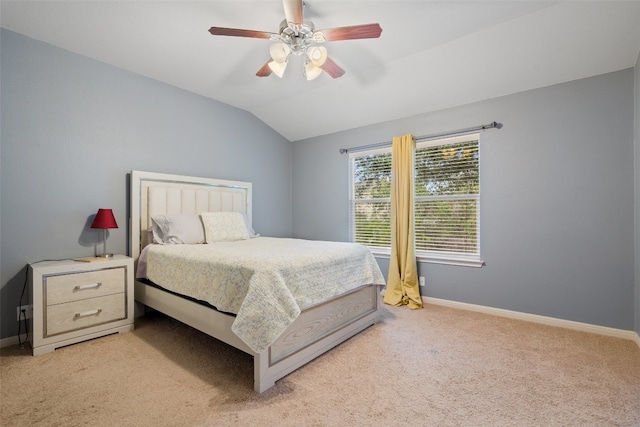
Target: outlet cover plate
x=29, y=311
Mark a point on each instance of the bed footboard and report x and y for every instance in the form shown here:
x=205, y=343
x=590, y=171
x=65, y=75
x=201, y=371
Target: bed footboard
x=317, y=330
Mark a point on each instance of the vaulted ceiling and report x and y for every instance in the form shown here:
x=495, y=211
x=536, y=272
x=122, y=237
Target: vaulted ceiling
x=431, y=55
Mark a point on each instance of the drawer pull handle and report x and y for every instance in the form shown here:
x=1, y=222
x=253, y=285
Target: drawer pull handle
x=89, y=286
x=88, y=313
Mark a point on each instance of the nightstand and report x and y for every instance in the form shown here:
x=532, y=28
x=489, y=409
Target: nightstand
x=75, y=301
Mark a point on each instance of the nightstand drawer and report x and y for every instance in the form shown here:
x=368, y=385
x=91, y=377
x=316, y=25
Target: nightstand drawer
x=78, y=286
x=84, y=313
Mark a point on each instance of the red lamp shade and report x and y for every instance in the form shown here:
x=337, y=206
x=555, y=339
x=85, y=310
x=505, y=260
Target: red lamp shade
x=104, y=219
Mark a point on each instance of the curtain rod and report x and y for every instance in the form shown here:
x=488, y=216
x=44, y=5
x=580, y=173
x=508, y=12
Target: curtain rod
x=424, y=137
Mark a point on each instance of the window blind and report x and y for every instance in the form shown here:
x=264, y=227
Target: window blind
x=447, y=197
x=447, y=190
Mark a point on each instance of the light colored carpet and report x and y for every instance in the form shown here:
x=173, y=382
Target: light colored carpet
x=433, y=367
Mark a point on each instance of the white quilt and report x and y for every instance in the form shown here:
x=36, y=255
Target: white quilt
x=265, y=281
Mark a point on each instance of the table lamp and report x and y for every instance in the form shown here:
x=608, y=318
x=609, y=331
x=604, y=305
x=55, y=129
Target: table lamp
x=104, y=219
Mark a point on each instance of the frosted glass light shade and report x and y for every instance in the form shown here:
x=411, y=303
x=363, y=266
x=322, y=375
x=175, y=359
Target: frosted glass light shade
x=279, y=52
x=311, y=71
x=317, y=55
x=278, y=68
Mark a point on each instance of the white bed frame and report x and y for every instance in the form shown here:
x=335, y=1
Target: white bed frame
x=318, y=328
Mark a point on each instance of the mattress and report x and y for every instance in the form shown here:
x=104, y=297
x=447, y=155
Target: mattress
x=264, y=281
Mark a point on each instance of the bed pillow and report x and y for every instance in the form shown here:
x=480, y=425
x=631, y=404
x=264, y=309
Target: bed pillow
x=177, y=229
x=224, y=226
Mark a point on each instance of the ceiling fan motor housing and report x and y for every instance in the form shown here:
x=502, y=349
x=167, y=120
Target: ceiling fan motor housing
x=297, y=36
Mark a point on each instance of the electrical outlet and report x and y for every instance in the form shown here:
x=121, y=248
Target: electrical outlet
x=421, y=280
x=28, y=311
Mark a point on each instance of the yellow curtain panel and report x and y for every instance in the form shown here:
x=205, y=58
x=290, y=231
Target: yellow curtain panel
x=402, y=283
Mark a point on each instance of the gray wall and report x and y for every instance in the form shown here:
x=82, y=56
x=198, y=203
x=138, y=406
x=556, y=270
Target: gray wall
x=557, y=186
x=637, y=190
x=72, y=130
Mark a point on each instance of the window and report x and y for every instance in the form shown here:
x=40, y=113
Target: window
x=447, y=200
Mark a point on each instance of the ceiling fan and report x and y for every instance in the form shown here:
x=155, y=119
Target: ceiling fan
x=299, y=37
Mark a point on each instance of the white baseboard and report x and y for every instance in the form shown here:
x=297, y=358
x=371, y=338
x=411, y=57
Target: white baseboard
x=550, y=321
x=535, y=318
x=8, y=342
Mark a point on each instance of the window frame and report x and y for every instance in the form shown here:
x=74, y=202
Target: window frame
x=448, y=258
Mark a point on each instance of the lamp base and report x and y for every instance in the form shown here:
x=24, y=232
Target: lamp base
x=105, y=256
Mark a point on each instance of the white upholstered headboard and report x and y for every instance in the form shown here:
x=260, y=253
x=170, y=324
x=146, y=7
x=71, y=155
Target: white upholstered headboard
x=158, y=193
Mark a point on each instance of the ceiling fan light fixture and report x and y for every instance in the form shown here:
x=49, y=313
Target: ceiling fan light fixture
x=311, y=71
x=280, y=52
x=317, y=55
x=278, y=68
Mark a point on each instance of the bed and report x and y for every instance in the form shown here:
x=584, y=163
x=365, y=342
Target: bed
x=303, y=326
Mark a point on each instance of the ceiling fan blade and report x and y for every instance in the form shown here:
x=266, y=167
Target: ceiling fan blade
x=332, y=68
x=365, y=31
x=265, y=71
x=237, y=32
x=293, y=11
